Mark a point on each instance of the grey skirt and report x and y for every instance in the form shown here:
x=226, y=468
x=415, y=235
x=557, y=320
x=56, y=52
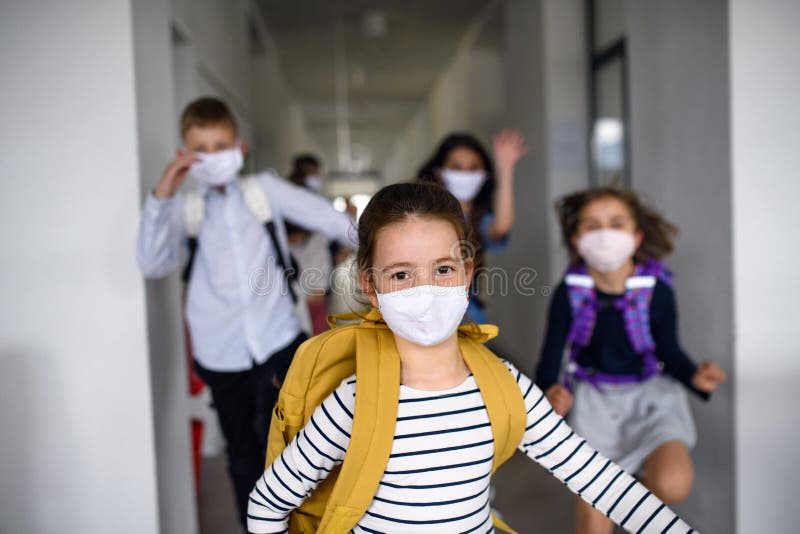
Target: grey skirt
x=628, y=422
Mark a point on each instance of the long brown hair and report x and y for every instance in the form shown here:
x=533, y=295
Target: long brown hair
x=658, y=233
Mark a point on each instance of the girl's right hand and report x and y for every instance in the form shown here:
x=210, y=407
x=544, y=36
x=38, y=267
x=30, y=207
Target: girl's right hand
x=559, y=398
x=174, y=174
x=708, y=376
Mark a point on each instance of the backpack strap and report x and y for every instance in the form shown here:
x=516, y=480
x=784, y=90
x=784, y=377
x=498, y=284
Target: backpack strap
x=500, y=392
x=340, y=319
x=318, y=366
x=377, y=397
x=658, y=269
x=194, y=210
x=256, y=198
x=582, y=298
x=258, y=203
x=635, y=308
x=504, y=402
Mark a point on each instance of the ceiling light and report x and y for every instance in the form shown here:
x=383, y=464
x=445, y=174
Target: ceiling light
x=374, y=23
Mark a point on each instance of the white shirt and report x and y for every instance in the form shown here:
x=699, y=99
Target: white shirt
x=238, y=309
x=437, y=477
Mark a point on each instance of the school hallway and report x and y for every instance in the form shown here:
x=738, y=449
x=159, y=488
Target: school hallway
x=691, y=104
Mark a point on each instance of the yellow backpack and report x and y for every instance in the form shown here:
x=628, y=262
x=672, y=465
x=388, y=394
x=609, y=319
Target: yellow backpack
x=368, y=349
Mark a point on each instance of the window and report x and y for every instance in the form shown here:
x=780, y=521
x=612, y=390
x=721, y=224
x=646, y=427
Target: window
x=609, y=139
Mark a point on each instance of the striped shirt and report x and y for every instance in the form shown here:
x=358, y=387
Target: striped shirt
x=438, y=474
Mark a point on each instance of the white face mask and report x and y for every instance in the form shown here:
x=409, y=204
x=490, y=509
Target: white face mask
x=425, y=315
x=607, y=250
x=217, y=168
x=314, y=182
x=464, y=185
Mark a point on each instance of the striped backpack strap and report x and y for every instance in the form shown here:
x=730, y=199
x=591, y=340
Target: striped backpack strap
x=582, y=297
x=658, y=269
x=635, y=307
x=372, y=436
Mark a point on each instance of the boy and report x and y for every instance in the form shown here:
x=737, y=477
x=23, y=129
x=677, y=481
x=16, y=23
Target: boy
x=241, y=318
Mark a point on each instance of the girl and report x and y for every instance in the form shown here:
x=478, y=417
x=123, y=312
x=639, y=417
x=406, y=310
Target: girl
x=463, y=166
x=414, y=270
x=616, y=310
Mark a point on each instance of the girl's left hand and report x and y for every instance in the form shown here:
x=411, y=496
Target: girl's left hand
x=708, y=376
x=509, y=147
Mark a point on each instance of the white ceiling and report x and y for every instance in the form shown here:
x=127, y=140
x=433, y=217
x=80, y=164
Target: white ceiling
x=387, y=75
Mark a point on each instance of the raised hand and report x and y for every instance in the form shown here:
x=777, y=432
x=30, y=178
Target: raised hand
x=174, y=174
x=509, y=147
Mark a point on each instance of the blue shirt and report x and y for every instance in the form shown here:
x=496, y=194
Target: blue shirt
x=475, y=310
x=488, y=244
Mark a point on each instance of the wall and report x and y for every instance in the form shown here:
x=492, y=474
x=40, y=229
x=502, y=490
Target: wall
x=545, y=99
x=545, y=80
x=156, y=123
x=681, y=164
x=281, y=132
x=217, y=33
x=411, y=149
x=565, y=113
x=765, y=82
x=75, y=399
x=449, y=97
